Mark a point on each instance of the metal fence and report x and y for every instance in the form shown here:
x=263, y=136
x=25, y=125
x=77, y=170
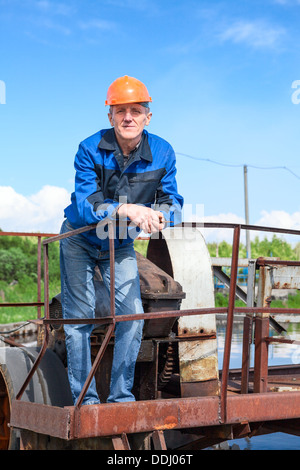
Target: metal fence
x=261, y=313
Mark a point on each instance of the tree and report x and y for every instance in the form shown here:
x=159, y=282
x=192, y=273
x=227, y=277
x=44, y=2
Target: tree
x=277, y=248
x=13, y=264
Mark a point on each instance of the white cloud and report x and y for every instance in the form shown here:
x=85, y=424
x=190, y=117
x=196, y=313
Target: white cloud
x=40, y=212
x=220, y=234
x=280, y=219
x=274, y=219
x=253, y=33
x=44, y=212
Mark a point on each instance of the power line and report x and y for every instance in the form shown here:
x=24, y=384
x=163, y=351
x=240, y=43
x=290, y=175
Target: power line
x=208, y=160
x=240, y=164
x=276, y=168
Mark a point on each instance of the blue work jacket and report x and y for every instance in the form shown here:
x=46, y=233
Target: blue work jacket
x=103, y=181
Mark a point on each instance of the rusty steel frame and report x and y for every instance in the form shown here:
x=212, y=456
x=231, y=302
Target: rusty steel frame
x=112, y=419
x=39, y=302
x=171, y=413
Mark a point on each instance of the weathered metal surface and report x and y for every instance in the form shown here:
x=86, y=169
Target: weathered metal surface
x=159, y=442
x=261, y=354
x=229, y=326
x=236, y=410
x=4, y=415
x=271, y=276
x=247, y=340
x=159, y=292
x=198, y=364
x=33, y=441
x=184, y=253
x=268, y=406
x=264, y=261
x=278, y=274
x=264, y=289
x=121, y=442
x=286, y=277
x=116, y=419
x=155, y=283
x=44, y=419
x=200, y=389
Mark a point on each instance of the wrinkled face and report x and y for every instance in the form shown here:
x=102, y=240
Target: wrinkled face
x=129, y=121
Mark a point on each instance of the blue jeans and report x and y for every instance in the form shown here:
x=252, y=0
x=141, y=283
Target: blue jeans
x=78, y=260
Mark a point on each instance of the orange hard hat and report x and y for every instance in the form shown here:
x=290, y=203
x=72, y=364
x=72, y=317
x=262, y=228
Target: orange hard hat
x=127, y=90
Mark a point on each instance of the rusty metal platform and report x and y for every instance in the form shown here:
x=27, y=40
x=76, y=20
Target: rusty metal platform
x=279, y=407
x=185, y=413
x=247, y=400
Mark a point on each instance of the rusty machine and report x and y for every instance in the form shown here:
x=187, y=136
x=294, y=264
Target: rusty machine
x=183, y=400
x=178, y=356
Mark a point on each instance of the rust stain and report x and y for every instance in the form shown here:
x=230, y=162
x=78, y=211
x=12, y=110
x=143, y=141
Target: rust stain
x=285, y=285
x=170, y=423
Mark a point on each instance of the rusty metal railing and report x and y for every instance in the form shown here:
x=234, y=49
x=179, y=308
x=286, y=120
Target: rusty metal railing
x=113, y=319
x=39, y=302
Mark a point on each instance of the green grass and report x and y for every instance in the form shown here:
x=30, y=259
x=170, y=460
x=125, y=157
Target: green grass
x=293, y=301
x=25, y=290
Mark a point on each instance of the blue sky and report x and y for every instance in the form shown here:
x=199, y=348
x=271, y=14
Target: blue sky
x=220, y=74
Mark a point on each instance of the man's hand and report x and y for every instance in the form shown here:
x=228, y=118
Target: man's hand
x=145, y=218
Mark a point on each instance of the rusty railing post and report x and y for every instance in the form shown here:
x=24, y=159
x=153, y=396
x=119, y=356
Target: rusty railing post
x=248, y=323
x=229, y=327
x=46, y=327
x=39, y=274
x=110, y=330
x=262, y=330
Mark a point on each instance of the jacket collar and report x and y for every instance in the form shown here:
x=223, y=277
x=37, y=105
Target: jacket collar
x=109, y=142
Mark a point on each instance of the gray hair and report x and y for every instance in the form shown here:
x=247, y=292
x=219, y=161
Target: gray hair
x=144, y=103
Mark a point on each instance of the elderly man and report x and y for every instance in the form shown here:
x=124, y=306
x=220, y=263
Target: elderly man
x=127, y=173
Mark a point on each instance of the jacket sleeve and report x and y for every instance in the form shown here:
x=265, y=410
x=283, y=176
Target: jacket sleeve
x=88, y=197
x=168, y=201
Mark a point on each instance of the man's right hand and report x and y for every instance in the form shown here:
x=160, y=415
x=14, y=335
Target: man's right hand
x=145, y=218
